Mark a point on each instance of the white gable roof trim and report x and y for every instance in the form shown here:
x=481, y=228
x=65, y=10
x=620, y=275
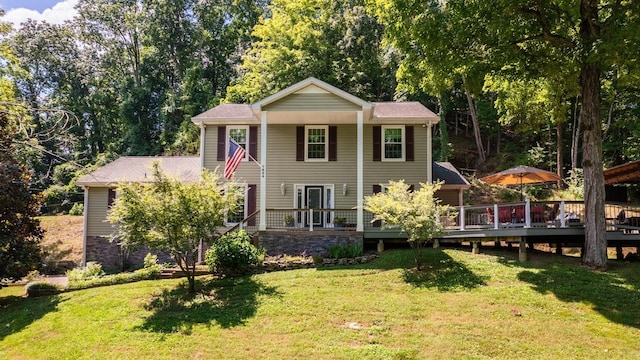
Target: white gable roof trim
x=310, y=85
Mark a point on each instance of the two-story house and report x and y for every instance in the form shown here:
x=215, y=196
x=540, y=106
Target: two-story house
x=313, y=152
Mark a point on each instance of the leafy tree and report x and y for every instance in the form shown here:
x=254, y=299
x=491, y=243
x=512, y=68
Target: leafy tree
x=20, y=232
x=173, y=217
x=337, y=41
x=530, y=40
x=418, y=213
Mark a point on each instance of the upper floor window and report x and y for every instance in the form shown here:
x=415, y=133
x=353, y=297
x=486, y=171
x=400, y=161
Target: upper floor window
x=393, y=143
x=239, y=134
x=316, y=144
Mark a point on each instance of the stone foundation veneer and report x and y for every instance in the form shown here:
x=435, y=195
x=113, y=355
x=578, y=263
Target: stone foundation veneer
x=101, y=250
x=295, y=242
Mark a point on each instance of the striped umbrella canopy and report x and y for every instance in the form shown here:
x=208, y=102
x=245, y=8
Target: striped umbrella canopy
x=520, y=175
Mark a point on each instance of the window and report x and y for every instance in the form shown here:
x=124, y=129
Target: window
x=239, y=134
x=316, y=143
x=241, y=212
x=393, y=143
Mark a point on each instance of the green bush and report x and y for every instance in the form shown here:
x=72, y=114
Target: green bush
x=344, y=251
x=90, y=271
x=77, y=209
x=41, y=288
x=233, y=253
x=121, y=278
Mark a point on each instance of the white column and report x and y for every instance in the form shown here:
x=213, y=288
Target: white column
x=360, y=173
x=263, y=172
x=85, y=221
x=430, y=155
x=203, y=128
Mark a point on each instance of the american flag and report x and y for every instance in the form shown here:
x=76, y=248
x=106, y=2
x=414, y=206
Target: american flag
x=234, y=156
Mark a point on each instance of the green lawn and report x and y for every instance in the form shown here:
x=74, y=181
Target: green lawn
x=463, y=306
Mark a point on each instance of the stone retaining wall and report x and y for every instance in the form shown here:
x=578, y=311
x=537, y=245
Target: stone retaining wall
x=294, y=242
x=101, y=250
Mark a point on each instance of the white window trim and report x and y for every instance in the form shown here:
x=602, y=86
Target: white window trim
x=246, y=203
x=382, y=143
x=234, y=127
x=326, y=142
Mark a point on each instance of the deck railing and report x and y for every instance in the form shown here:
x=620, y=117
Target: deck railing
x=527, y=214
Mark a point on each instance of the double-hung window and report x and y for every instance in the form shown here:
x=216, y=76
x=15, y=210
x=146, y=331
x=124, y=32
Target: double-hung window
x=241, y=210
x=393, y=143
x=239, y=134
x=316, y=143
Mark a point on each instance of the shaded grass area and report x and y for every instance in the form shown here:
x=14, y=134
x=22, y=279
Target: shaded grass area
x=462, y=306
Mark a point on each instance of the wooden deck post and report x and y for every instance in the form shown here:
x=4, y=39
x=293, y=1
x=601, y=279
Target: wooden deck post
x=436, y=243
x=559, y=249
x=475, y=247
x=522, y=250
x=619, y=253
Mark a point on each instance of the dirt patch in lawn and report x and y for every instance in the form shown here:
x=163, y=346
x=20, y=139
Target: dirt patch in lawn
x=63, y=237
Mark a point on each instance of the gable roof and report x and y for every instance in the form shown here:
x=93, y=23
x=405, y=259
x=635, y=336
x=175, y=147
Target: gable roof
x=445, y=171
x=139, y=169
x=311, y=85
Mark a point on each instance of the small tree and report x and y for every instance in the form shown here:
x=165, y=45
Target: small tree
x=418, y=213
x=172, y=216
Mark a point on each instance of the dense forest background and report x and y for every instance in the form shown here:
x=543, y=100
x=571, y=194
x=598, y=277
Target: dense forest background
x=125, y=77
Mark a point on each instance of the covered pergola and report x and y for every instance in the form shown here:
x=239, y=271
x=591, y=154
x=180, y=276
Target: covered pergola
x=628, y=173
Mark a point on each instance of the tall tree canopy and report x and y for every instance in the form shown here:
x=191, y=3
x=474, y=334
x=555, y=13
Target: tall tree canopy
x=532, y=40
x=338, y=41
x=20, y=232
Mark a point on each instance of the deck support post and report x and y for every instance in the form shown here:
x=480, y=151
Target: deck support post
x=436, y=243
x=522, y=250
x=559, y=249
x=475, y=247
x=380, y=245
x=619, y=253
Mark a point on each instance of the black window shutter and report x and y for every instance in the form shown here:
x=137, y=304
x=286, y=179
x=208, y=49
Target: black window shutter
x=408, y=136
x=253, y=142
x=299, y=143
x=222, y=143
x=377, y=145
x=111, y=197
x=251, y=204
x=411, y=188
x=377, y=189
x=333, y=143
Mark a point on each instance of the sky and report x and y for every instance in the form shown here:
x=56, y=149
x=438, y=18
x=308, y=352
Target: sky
x=52, y=11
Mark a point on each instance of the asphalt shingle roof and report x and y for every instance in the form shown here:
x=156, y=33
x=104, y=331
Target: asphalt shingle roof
x=139, y=169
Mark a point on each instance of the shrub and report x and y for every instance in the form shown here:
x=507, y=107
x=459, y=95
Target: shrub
x=41, y=288
x=345, y=251
x=233, y=253
x=90, y=271
x=121, y=278
x=77, y=209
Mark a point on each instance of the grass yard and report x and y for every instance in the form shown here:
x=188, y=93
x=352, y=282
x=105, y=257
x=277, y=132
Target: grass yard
x=465, y=306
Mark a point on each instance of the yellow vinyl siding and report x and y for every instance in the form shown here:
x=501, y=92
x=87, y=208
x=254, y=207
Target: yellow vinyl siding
x=380, y=172
x=97, y=212
x=283, y=167
x=312, y=102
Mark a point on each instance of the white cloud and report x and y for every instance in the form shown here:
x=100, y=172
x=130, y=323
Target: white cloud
x=56, y=15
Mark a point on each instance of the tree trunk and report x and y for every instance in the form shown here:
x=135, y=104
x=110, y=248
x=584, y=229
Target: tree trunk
x=559, y=157
x=575, y=137
x=595, y=254
x=474, y=119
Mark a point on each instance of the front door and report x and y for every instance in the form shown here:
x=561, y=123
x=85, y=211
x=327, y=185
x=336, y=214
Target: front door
x=314, y=200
